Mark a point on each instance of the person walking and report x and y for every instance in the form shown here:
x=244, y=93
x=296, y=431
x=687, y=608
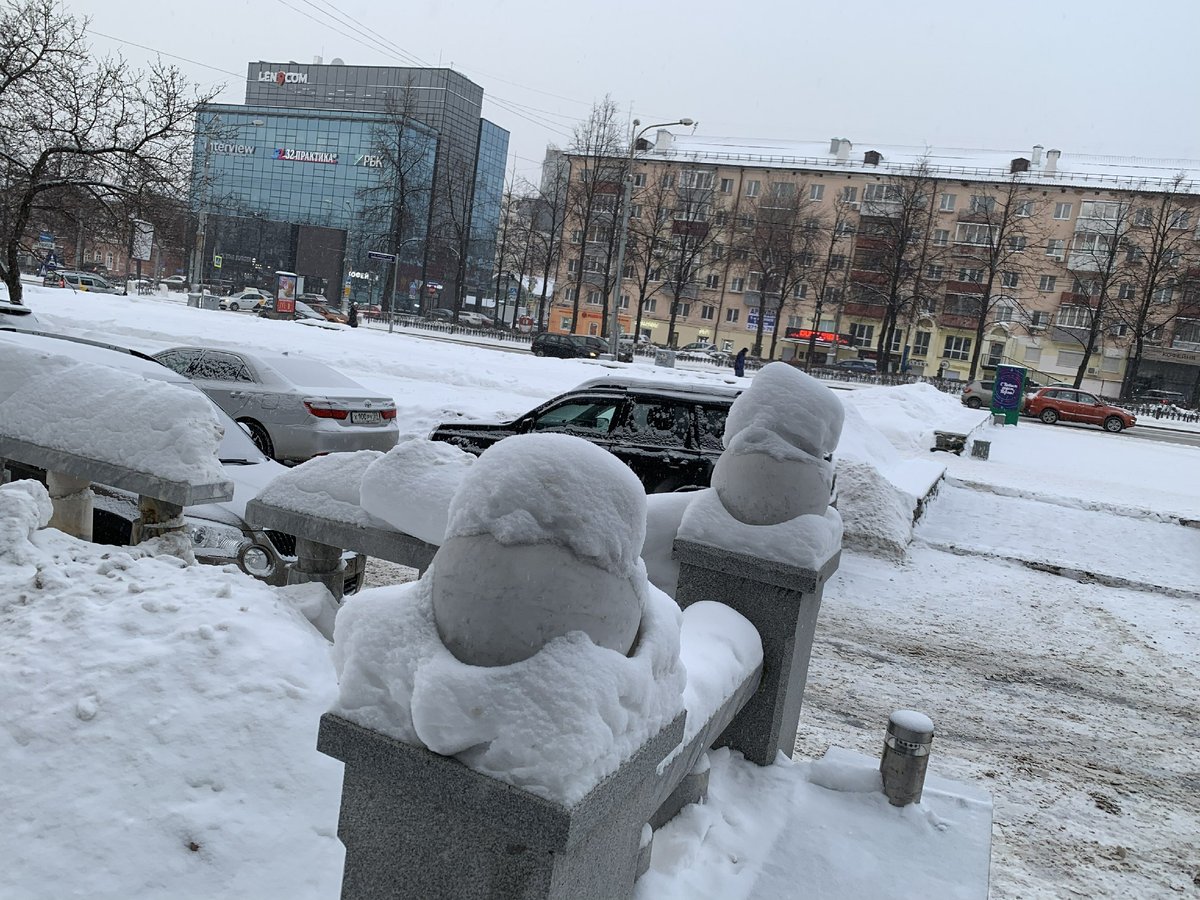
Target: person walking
x=739, y=363
x=941, y=371
x=353, y=321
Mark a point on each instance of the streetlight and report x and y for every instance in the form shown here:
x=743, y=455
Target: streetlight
x=614, y=327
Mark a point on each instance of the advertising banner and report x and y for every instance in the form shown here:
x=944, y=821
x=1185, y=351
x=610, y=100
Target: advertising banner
x=143, y=240
x=1007, y=393
x=285, y=292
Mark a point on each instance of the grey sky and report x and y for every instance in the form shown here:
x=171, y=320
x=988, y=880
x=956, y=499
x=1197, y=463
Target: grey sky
x=1101, y=77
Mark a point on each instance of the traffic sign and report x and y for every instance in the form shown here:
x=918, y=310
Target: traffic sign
x=379, y=254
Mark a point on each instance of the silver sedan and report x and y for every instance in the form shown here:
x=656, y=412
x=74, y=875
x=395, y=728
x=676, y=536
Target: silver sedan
x=294, y=408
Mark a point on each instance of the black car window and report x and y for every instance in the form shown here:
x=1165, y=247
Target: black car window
x=217, y=366
x=711, y=421
x=660, y=422
x=595, y=416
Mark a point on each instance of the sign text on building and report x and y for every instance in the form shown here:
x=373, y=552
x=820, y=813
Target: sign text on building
x=231, y=149
x=369, y=160
x=312, y=156
x=284, y=77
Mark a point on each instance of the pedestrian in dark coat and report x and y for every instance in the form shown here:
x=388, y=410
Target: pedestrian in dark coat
x=739, y=363
x=353, y=316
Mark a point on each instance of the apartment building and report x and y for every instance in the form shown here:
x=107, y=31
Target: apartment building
x=932, y=259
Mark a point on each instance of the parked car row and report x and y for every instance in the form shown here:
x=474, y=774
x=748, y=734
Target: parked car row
x=81, y=281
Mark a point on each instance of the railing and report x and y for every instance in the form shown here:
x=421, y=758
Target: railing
x=506, y=335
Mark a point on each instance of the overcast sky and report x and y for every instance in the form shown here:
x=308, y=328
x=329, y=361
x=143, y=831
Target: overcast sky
x=1085, y=76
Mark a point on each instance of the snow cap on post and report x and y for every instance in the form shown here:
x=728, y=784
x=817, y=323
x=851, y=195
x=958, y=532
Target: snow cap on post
x=791, y=404
x=554, y=489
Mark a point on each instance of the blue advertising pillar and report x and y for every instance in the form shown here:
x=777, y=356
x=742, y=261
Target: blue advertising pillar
x=1007, y=392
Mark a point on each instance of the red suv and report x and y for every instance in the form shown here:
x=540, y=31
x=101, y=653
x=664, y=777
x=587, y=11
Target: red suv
x=1070, y=405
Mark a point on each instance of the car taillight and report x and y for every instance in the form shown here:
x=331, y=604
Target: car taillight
x=323, y=409
x=388, y=413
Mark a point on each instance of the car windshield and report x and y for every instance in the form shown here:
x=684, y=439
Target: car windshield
x=309, y=373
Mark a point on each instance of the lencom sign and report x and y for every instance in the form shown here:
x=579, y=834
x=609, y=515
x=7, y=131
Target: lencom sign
x=282, y=78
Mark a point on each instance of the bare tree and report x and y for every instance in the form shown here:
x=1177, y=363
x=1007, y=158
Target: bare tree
x=451, y=237
x=892, y=247
x=549, y=209
x=593, y=197
x=396, y=208
x=1160, y=252
x=648, y=242
x=778, y=234
x=694, y=205
x=73, y=121
x=826, y=274
x=989, y=246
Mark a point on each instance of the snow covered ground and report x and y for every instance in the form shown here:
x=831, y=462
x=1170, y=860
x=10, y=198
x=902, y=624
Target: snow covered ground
x=1046, y=618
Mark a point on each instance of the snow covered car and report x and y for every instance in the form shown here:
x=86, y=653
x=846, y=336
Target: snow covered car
x=15, y=317
x=219, y=532
x=294, y=408
x=668, y=434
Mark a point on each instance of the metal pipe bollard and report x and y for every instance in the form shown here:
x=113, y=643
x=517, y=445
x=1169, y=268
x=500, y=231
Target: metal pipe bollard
x=906, y=756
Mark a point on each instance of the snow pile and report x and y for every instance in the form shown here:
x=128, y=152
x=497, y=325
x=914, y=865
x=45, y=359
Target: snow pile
x=410, y=486
x=113, y=416
x=664, y=513
x=908, y=415
x=159, y=727
x=534, y=649
x=24, y=508
x=326, y=486
x=771, y=487
x=719, y=649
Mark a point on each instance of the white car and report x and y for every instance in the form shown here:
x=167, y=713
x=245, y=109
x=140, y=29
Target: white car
x=250, y=298
x=14, y=317
x=295, y=408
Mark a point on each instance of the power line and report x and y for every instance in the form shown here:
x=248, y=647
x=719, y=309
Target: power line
x=193, y=62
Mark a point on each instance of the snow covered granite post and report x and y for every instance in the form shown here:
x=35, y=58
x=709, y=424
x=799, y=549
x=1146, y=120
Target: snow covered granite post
x=511, y=722
x=764, y=540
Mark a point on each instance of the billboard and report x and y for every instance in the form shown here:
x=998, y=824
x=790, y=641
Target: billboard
x=143, y=240
x=285, y=292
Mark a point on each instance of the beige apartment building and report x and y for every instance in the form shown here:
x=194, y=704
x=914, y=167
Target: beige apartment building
x=1026, y=258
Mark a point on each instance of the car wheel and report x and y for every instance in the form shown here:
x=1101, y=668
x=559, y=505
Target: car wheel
x=539, y=352
x=1113, y=424
x=1049, y=416
x=974, y=402
x=259, y=435
x=234, y=307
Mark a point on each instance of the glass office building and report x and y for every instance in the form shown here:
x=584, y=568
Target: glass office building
x=446, y=102
x=310, y=191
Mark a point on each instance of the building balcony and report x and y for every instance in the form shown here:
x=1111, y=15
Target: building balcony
x=866, y=276
x=1070, y=298
x=971, y=251
x=954, y=320
x=1083, y=262
x=870, y=242
x=863, y=310
x=964, y=287
x=884, y=209
x=754, y=298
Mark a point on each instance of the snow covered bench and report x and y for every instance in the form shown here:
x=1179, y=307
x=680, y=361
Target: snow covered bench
x=85, y=423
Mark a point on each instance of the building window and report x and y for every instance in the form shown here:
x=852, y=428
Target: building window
x=577, y=236
x=981, y=203
x=977, y=235
x=756, y=281
x=995, y=354
x=1125, y=291
x=1074, y=317
x=708, y=312
x=683, y=310
x=1016, y=242
x=920, y=345
x=712, y=281
x=964, y=305
x=732, y=314
x=832, y=295
x=639, y=179
x=881, y=193
x=1180, y=218
x=718, y=251
x=635, y=210
x=934, y=272
x=564, y=324
x=1062, y=210
x=947, y=202
x=1105, y=210
x=1004, y=312
x=726, y=185
x=941, y=236
x=1054, y=247
x=816, y=191
x=957, y=347
x=1163, y=294
x=1025, y=209
x=572, y=266
x=800, y=291
x=1047, y=282
x=849, y=194
x=737, y=285
x=860, y=334
x=837, y=261
x=698, y=180
x=623, y=303
x=108, y=260
x=1009, y=279
x=649, y=304
x=752, y=188
x=667, y=181
x=593, y=298
x=975, y=276
x=795, y=322
x=570, y=294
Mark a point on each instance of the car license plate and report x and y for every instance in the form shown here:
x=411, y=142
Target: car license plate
x=365, y=418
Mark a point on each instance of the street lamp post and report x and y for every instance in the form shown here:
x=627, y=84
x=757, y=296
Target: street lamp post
x=614, y=326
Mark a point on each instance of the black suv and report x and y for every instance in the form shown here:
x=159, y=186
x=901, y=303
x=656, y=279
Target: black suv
x=669, y=435
x=570, y=346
